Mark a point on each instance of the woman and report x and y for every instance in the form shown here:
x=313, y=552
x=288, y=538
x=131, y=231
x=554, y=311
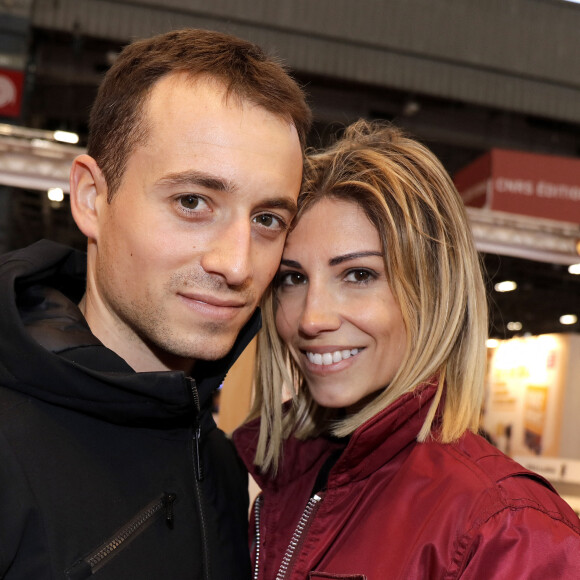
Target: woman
x=376, y=325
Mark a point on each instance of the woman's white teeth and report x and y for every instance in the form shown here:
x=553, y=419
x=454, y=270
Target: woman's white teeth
x=328, y=358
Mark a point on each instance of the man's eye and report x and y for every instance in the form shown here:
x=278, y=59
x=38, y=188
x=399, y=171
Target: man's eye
x=267, y=220
x=189, y=201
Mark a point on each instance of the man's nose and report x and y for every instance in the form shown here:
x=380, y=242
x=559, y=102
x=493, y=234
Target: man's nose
x=229, y=254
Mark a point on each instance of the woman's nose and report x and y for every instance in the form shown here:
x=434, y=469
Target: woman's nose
x=320, y=313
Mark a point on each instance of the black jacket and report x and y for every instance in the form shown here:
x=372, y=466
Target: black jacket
x=104, y=471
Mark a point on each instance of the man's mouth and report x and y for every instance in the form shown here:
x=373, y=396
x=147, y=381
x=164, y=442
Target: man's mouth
x=211, y=300
x=212, y=306
x=328, y=358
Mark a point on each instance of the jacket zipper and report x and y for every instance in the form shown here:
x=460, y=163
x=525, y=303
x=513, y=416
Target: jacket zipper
x=198, y=468
x=257, y=536
x=196, y=430
x=301, y=528
x=138, y=524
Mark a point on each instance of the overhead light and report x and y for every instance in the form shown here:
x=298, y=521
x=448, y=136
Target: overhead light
x=411, y=108
x=505, y=286
x=574, y=269
x=492, y=343
x=66, y=137
x=55, y=194
x=514, y=326
x=568, y=319
x=41, y=143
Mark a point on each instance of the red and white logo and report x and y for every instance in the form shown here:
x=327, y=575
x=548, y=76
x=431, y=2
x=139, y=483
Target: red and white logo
x=11, y=83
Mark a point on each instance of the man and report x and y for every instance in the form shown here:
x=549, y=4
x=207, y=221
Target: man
x=110, y=462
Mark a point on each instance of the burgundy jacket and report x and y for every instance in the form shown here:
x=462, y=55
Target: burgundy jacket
x=397, y=509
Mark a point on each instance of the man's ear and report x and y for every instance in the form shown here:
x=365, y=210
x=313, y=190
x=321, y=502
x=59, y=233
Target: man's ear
x=88, y=192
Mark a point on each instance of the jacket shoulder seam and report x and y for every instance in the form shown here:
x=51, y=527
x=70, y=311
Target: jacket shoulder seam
x=467, y=539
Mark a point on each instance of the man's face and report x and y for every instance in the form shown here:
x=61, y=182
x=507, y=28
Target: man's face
x=195, y=232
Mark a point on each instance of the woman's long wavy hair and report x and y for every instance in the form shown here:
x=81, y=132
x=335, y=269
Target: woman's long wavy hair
x=433, y=270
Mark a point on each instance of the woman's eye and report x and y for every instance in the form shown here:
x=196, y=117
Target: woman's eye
x=359, y=276
x=291, y=279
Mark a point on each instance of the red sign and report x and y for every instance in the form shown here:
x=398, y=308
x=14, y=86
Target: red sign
x=524, y=183
x=11, y=87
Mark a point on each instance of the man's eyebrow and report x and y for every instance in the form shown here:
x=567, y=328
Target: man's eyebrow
x=199, y=178
x=216, y=183
x=284, y=203
x=352, y=256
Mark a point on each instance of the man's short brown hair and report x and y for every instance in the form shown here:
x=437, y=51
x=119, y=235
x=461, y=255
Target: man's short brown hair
x=116, y=122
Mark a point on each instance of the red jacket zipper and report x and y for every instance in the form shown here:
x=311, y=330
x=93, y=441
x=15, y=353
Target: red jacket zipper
x=297, y=537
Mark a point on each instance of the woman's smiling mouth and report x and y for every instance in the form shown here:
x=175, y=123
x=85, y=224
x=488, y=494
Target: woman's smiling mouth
x=328, y=358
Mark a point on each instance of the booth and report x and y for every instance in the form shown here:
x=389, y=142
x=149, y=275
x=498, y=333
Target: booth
x=543, y=186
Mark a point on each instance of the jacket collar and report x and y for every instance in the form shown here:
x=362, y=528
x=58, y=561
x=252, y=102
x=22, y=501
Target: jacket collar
x=372, y=445
x=386, y=434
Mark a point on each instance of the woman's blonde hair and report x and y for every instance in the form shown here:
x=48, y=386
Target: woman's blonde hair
x=433, y=270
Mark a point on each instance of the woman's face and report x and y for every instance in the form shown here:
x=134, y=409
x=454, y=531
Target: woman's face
x=335, y=310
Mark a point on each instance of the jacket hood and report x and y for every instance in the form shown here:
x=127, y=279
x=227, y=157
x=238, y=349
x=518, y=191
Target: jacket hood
x=47, y=350
x=373, y=444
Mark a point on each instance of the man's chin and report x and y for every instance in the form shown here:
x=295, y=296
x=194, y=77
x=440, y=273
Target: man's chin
x=179, y=355
x=214, y=352
x=211, y=349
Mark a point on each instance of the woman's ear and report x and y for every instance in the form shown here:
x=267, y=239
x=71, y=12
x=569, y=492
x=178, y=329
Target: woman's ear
x=88, y=191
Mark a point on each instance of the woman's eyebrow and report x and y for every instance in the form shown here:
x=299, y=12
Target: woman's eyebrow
x=290, y=263
x=352, y=256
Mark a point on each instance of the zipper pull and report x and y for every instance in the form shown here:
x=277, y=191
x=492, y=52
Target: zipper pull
x=168, y=499
x=198, y=465
x=197, y=429
x=194, y=394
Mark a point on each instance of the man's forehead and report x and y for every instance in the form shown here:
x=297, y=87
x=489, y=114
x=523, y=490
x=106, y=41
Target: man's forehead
x=215, y=89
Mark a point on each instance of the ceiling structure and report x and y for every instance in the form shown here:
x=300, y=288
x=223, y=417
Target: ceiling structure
x=545, y=292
